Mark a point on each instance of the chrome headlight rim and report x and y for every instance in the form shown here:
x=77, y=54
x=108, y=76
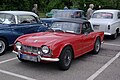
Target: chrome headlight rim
x=18, y=45
x=45, y=50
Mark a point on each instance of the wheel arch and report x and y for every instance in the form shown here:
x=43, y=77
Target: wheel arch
x=98, y=37
x=67, y=45
x=1, y=37
x=117, y=30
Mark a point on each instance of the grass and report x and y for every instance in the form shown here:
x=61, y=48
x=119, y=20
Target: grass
x=42, y=15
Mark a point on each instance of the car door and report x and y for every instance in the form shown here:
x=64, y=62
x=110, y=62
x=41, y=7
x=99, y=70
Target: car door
x=25, y=24
x=87, y=37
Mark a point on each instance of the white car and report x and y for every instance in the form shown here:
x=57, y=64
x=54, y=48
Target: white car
x=107, y=21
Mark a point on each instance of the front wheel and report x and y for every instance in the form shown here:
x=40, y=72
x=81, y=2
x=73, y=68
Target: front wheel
x=97, y=46
x=65, y=58
x=3, y=46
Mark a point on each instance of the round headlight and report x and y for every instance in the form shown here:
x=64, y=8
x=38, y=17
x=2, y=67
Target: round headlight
x=45, y=49
x=18, y=45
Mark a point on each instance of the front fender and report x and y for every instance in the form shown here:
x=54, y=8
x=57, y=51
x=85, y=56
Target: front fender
x=57, y=50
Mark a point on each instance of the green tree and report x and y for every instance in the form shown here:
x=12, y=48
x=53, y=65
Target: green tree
x=47, y=5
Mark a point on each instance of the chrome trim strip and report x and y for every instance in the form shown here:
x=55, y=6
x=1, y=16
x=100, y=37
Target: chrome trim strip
x=42, y=58
x=105, y=33
x=49, y=59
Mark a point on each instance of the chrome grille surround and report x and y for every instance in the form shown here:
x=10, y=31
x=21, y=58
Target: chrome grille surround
x=35, y=50
x=29, y=49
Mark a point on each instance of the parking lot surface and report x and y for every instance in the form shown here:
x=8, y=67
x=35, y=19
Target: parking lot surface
x=103, y=66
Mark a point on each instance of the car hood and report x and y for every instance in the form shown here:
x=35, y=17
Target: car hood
x=45, y=38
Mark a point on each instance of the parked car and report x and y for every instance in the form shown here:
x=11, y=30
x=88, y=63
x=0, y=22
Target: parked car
x=107, y=21
x=64, y=41
x=64, y=14
x=51, y=13
x=16, y=23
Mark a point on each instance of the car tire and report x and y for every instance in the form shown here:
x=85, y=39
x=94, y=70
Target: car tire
x=114, y=36
x=3, y=45
x=65, y=58
x=97, y=46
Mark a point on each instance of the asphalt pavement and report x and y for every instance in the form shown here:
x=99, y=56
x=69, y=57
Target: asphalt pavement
x=103, y=66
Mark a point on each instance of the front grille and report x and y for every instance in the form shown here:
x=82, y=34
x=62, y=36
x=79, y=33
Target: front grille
x=29, y=49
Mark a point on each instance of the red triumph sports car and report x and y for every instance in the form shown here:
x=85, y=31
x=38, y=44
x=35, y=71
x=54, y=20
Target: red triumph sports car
x=64, y=41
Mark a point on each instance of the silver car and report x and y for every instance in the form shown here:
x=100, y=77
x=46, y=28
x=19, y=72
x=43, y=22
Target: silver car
x=107, y=21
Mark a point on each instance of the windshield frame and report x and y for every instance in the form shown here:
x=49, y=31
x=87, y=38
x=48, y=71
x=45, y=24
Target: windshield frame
x=62, y=28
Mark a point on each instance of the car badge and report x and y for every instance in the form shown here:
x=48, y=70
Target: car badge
x=35, y=40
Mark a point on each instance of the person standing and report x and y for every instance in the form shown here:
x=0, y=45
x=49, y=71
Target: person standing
x=90, y=11
x=35, y=10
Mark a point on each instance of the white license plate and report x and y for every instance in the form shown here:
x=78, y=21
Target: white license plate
x=28, y=57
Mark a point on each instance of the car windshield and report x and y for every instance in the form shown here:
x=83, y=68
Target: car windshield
x=7, y=18
x=66, y=27
x=102, y=15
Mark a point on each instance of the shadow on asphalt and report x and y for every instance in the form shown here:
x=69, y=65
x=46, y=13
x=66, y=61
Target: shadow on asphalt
x=110, y=37
x=53, y=66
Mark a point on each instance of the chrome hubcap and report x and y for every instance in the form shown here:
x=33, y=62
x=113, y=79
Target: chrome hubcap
x=97, y=46
x=2, y=46
x=67, y=58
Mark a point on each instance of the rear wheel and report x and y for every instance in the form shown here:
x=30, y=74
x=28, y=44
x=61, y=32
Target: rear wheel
x=65, y=58
x=97, y=46
x=3, y=46
x=114, y=36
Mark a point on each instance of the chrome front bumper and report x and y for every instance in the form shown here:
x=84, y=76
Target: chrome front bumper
x=41, y=58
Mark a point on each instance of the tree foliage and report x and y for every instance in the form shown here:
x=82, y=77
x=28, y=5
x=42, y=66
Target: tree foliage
x=47, y=5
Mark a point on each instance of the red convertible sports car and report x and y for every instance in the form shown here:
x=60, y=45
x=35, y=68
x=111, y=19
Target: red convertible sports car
x=64, y=41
